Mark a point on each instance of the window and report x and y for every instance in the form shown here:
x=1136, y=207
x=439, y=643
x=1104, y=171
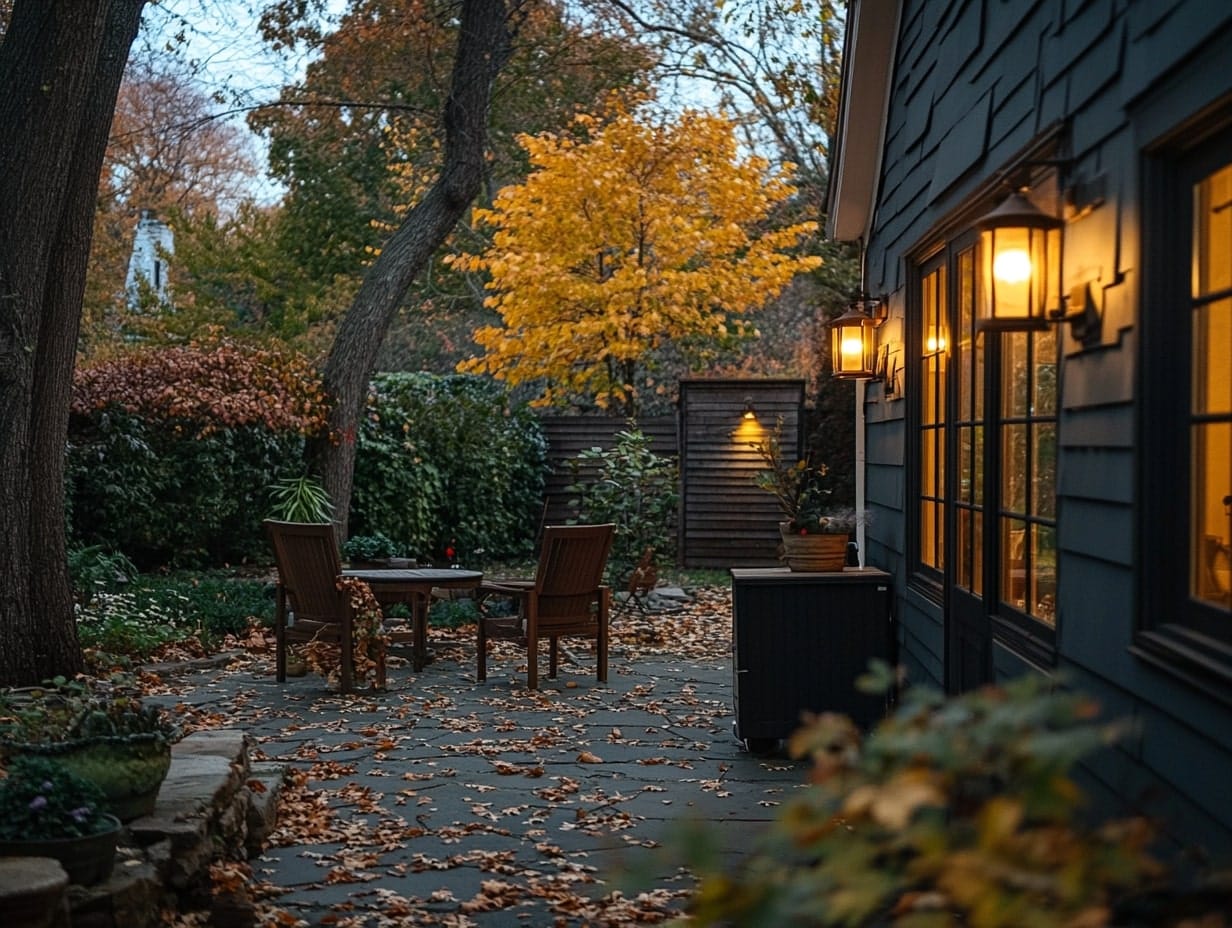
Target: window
x=969, y=425
x=1028, y=467
x=1210, y=414
x=935, y=346
x=1187, y=409
x=984, y=452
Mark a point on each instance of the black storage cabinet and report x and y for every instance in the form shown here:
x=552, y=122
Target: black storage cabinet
x=800, y=640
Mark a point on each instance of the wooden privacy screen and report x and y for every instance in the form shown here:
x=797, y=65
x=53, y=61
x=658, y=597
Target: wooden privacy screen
x=724, y=521
x=567, y=436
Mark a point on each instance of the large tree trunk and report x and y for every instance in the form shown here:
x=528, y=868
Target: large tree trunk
x=61, y=63
x=483, y=47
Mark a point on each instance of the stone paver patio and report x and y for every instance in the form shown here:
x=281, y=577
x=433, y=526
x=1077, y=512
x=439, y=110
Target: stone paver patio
x=445, y=801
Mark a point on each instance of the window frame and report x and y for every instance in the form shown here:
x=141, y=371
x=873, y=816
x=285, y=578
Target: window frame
x=928, y=578
x=1020, y=631
x=1173, y=630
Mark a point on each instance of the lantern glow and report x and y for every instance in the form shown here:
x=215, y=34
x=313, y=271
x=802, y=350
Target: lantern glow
x=1020, y=257
x=853, y=346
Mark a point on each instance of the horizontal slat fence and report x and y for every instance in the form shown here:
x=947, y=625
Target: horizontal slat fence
x=726, y=520
x=567, y=436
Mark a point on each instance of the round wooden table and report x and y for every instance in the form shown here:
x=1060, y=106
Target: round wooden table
x=414, y=587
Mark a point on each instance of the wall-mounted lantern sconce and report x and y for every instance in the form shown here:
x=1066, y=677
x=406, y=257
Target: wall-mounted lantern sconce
x=749, y=413
x=853, y=345
x=1020, y=249
x=1021, y=254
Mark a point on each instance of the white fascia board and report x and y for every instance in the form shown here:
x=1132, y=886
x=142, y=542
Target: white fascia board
x=868, y=64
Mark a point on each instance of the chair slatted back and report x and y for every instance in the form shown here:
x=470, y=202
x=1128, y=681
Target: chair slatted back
x=572, y=561
x=308, y=568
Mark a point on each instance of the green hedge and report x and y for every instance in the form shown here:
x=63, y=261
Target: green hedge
x=169, y=468
x=165, y=496
x=448, y=458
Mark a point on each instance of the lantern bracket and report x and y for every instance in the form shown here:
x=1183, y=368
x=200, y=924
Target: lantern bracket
x=1083, y=316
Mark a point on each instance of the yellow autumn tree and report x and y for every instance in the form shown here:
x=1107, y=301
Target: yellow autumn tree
x=640, y=232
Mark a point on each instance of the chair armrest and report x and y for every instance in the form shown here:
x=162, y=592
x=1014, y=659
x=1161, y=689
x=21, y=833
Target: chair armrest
x=505, y=586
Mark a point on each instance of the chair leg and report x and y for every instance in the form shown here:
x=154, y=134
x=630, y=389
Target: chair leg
x=605, y=600
x=531, y=613
x=482, y=657
x=346, y=683
x=553, y=656
x=280, y=636
x=532, y=657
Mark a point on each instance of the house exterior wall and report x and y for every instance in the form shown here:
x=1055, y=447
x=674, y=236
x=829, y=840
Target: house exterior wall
x=974, y=82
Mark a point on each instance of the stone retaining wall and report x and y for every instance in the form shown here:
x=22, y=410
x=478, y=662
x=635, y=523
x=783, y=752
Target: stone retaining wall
x=213, y=805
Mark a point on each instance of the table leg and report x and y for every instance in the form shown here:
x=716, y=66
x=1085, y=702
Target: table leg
x=419, y=615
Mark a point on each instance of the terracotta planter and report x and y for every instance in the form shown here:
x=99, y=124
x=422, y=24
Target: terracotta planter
x=821, y=553
x=86, y=860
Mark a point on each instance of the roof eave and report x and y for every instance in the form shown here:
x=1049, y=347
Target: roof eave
x=868, y=64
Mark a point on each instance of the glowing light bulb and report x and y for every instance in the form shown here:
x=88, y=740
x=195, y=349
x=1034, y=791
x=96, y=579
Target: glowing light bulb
x=1012, y=266
x=852, y=347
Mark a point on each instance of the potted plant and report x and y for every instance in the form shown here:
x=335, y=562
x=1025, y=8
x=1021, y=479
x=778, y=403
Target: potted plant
x=100, y=730
x=300, y=499
x=815, y=532
x=46, y=810
x=375, y=550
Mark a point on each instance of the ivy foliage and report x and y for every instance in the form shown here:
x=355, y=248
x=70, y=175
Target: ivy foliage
x=444, y=460
x=631, y=486
x=171, y=450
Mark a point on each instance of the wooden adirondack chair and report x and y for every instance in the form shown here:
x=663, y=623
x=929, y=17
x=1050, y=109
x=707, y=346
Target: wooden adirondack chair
x=308, y=570
x=566, y=598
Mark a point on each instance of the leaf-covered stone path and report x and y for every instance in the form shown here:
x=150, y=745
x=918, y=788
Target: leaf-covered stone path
x=447, y=802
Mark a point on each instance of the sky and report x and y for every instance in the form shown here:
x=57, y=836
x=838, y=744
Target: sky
x=220, y=40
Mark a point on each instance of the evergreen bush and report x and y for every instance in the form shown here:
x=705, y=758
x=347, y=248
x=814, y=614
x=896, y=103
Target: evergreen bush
x=444, y=460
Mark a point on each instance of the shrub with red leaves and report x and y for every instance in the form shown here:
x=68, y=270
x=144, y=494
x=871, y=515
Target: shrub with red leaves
x=172, y=450
x=212, y=384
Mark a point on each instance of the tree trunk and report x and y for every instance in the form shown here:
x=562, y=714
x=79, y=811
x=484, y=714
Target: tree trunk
x=61, y=63
x=483, y=47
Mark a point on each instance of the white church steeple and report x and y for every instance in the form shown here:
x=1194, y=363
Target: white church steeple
x=153, y=242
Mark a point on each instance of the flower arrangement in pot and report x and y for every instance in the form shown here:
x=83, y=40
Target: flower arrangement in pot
x=815, y=532
x=97, y=728
x=46, y=810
